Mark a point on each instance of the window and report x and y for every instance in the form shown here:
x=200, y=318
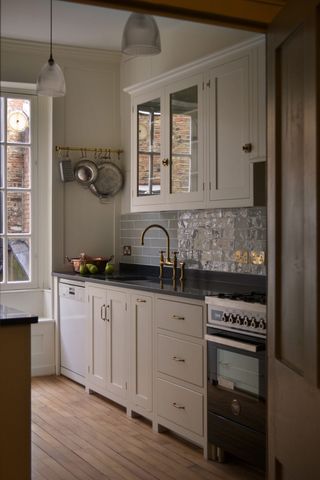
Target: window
x=17, y=189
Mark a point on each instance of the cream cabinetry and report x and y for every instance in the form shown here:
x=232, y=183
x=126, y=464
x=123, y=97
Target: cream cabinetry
x=179, y=372
x=107, y=342
x=236, y=129
x=167, y=124
x=147, y=352
x=198, y=133
x=141, y=354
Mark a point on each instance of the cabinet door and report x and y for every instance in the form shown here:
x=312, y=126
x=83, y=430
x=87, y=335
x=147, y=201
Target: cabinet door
x=117, y=351
x=148, y=149
x=141, y=351
x=185, y=176
x=229, y=131
x=97, y=336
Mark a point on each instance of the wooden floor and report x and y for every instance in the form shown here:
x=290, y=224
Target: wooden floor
x=85, y=437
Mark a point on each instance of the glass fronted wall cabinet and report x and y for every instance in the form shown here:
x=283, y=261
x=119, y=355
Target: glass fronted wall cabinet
x=198, y=133
x=168, y=161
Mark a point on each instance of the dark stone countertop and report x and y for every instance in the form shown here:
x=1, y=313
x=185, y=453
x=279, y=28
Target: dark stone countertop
x=11, y=316
x=197, y=285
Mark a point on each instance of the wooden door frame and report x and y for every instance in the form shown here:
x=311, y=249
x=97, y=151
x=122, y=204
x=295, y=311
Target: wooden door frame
x=252, y=15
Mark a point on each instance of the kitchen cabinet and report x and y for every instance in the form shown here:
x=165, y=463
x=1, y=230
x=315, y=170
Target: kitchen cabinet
x=179, y=367
x=107, y=335
x=168, y=156
x=236, y=129
x=198, y=133
x=141, y=354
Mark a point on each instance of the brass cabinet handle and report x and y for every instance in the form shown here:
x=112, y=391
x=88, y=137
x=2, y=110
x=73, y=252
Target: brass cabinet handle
x=178, y=359
x=180, y=407
x=247, y=147
x=140, y=300
x=165, y=162
x=108, y=313
x=177, y=317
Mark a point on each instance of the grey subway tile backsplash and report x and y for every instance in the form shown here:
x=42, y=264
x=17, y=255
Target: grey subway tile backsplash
x=205, y=239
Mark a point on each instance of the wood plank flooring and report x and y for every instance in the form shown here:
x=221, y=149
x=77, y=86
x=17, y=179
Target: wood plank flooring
x=76, y=436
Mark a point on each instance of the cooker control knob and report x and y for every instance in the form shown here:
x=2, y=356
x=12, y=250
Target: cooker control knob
x=262, y=324
x=225, y=317
x=232, y=318
x=239, y=320
x=246, y=321
x=253, y=323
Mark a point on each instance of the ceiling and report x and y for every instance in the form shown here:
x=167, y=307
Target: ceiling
x=74, y=23
x=253, y=15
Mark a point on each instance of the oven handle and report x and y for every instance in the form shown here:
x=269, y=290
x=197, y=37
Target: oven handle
x=249, y=347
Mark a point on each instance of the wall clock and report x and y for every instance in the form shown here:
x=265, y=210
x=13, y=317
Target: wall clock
x=18, y=121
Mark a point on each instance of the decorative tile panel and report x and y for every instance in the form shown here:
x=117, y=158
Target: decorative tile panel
x=205, y=239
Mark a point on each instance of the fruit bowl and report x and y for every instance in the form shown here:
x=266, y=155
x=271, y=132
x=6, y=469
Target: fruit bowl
x=100, y=262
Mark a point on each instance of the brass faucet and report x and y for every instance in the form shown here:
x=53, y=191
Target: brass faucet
x=165, y=260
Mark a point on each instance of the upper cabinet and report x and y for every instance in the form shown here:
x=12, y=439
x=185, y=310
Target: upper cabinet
x=198, y=134
x=168, y=156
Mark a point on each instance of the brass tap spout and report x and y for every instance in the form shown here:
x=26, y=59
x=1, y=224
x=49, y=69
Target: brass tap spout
x=155, y=225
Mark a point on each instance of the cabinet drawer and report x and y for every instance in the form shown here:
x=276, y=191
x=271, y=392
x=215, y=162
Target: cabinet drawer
x=180, y=317
x=181, y=406
x=180, y=359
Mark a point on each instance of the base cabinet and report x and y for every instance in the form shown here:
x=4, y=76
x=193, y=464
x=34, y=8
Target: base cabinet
x=147, y=353
x=107, y=342
x=141, y=351
x=179, y=369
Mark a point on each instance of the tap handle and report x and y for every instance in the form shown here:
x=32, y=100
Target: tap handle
x=161, y=255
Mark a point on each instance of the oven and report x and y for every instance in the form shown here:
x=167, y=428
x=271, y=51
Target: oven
x=236, y=376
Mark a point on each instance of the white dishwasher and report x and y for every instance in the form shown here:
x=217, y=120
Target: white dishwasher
x=72, y=317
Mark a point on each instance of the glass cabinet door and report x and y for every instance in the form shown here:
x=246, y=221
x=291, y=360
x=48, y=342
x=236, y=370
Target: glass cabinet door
x=148, y=148
x=184, y=152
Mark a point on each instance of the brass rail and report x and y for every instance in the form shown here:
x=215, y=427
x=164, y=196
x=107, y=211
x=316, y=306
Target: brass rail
x=97, y=150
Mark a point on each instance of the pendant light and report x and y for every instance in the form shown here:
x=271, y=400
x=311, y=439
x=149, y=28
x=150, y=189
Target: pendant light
x=141, y=36
x=51, y=81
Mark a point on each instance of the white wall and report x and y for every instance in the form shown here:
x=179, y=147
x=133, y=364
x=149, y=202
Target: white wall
x=182, y=43
x=87, y=116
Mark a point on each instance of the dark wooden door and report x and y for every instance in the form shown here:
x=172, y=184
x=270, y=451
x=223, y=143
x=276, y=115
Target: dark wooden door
x=293, y=239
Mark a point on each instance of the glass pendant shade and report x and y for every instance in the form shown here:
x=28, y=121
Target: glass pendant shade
x=51, y=81
x=141, y=36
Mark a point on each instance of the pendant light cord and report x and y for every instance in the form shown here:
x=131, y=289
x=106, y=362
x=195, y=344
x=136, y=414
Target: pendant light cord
x=51, y=61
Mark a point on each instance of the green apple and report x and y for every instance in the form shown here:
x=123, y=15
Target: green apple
x=83, y=269
x=93, y=269
x=109, y=268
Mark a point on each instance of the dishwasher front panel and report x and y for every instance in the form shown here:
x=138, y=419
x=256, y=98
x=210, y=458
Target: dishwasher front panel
x=72, y=331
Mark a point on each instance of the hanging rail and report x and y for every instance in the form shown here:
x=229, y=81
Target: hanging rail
x=88, y=149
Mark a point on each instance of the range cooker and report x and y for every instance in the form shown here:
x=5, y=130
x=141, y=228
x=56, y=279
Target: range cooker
x=236, y=367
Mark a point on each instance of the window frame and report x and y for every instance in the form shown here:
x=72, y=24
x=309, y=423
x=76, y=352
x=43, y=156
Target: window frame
x=12, y=90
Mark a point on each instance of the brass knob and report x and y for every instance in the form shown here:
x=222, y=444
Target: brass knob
x=165, y=162
x=247, y=147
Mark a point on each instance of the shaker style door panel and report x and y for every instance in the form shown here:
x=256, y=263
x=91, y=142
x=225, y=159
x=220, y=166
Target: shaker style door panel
x=97, y=336
x=229, y=131
x=148, y=152
x=185, y=174
x=117, y=327
x=141, y=364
